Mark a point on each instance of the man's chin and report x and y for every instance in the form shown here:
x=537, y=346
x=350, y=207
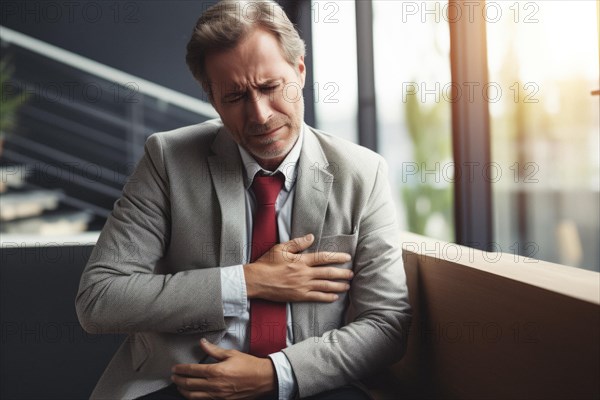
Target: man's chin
x=269, y=155
x=273, y=153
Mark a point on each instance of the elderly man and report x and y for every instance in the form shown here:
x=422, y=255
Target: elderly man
x=251, y=256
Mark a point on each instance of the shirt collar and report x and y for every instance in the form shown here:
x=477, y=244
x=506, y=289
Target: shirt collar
x=288, y=167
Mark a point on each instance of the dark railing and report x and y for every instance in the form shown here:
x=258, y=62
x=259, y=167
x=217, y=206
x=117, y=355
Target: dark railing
x=83, y=125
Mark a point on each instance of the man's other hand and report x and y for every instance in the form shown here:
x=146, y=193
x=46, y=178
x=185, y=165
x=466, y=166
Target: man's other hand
x=284, y=274
x=236, y=376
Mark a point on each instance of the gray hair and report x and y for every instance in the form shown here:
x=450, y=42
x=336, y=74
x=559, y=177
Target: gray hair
x=224, y=25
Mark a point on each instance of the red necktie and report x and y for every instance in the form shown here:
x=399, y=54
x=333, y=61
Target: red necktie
x=267, y=319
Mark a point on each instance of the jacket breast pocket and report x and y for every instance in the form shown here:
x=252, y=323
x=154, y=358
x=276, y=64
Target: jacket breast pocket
x=339, y=244
x=330, y=316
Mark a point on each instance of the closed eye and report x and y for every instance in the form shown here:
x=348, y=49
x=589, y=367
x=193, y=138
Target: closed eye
x=269, y=88
x=237, y=96
x=234, y=97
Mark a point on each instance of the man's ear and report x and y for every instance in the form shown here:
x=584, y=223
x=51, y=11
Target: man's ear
x=301, y=70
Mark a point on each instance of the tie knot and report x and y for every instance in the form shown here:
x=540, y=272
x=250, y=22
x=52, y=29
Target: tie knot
x=267, y=188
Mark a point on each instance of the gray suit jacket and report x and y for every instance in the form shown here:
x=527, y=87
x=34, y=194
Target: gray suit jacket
x=154, y=272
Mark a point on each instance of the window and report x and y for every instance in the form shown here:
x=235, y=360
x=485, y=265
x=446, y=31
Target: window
x=412, y=71
x=543, y=58
x=334, y=53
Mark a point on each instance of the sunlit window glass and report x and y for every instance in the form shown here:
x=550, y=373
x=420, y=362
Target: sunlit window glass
x=412, y=71
x=334, y=53
x=544, y=57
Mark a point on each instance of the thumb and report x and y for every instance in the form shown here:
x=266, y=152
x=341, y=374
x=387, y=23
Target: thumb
x=299, y=244
x=213, y=350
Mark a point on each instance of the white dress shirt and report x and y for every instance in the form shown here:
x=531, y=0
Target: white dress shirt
x=233, y=284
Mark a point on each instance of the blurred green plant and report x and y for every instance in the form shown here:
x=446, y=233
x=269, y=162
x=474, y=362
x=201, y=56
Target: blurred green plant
x=10, y=102
x=428, y=199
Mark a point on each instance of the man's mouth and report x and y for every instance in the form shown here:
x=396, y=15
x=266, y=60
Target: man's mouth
x=271, y=132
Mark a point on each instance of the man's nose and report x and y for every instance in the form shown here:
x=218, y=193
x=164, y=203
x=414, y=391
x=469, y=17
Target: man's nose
x=259, y=108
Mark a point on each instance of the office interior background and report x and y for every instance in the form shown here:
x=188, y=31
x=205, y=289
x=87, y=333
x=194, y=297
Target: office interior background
x=84, y=83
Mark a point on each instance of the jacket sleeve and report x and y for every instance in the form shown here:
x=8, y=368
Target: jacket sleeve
x=119, y=290
x=378, y=313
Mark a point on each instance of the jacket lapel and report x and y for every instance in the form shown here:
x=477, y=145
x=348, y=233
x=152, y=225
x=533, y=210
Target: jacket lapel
x=227, y=177
x=313, y=186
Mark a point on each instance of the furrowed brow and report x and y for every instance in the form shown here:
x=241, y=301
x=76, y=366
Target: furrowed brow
x=270, y=82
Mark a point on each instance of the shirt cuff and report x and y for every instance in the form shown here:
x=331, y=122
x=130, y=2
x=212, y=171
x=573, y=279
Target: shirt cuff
x=233, y=291
x=285, y=376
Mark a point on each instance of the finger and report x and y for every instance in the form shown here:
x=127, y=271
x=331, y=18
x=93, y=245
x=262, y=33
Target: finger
x=188, y=383
x=332, y=273
x=330, y=286
x=326, y=257
x=321, y=297
x=193, y=370
x=299, y=244
x=216, y=352
x=185, y=393
x=195, y=395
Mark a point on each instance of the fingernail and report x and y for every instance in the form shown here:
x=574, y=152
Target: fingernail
x=204, y=340
x=348, y=257
x=335, y=297
x=308, y=237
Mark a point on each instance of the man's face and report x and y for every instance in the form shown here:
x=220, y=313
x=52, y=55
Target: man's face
x=258, y=96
